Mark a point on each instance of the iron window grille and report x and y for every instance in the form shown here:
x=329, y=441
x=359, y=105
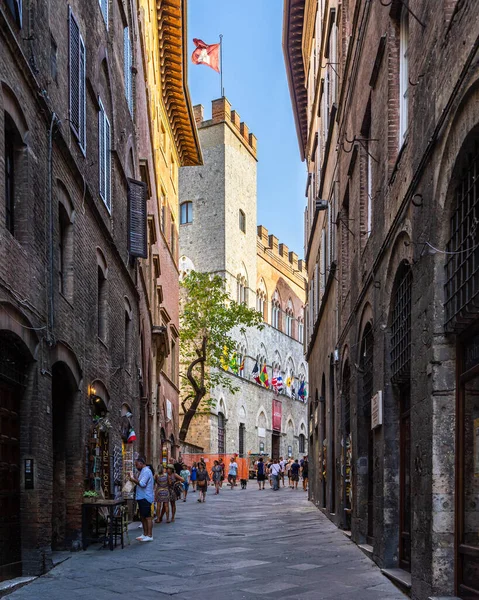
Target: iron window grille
x=462, y=265
x=401, y=326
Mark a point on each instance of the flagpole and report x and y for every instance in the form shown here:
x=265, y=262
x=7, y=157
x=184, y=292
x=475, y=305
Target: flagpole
x=221, y=66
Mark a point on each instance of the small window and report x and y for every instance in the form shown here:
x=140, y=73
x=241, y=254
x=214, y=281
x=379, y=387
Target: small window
x=163, y=212
x=127, y=66
x=77, y=83
x=10, y=139
x=172, y=237
x=128, y=328
x=186, y=213
x=242, y=221
x=15, y=7
x=403, y=73
x=302, y=443
x=104, y=153
x=104, y=10
x=65, y=252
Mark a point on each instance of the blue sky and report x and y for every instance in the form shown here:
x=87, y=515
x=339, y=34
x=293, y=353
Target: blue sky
x=255, y=83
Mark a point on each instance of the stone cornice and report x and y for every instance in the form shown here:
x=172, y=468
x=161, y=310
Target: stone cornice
x=293, y=22
x=172, y=39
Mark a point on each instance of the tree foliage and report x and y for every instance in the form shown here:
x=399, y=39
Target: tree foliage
x=208, y=321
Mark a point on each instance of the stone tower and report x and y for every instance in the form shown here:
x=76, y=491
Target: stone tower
x=219, y=234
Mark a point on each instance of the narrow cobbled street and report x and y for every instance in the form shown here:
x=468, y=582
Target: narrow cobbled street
x=241, y=544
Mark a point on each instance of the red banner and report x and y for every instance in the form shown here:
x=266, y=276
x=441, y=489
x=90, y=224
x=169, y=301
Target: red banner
x=277, y=414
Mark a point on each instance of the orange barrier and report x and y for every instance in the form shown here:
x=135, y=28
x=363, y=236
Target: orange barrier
x=209, y=460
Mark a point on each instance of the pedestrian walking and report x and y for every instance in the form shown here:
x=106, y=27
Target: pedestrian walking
x=304, y=473
x=162, y=495
x=193, y=476
x=282, y=464
x=268, y=473
x=222, y=465
x=295, y=474
x=145, y=497
x=217, y=472
x=185, y=473
x=173, y=488
x=260, y=473
x=275, y=474
x=232, y=472
x=202, y=481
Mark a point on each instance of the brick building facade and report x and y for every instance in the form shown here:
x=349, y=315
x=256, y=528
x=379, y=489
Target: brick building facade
x=218, y=233
x=385, y=102
x=72, y=224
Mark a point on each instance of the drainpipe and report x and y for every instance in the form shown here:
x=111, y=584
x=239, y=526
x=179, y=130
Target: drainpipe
x=50, y=321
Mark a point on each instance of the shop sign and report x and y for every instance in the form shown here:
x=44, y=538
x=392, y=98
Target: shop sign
x=377, y=410
x=471, y=353
x=277, y=415
x=261, y=432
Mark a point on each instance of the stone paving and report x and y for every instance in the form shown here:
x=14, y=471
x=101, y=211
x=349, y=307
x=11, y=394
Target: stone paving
x=242, y=544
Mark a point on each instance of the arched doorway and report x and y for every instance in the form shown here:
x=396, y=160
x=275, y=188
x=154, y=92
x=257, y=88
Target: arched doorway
x=401, y=379
x=66, y=450
x=366, y=434
x=332, y=442
x=14, y=359
x=221, y=433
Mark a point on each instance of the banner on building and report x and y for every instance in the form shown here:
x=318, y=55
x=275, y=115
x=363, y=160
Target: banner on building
x=277, y=415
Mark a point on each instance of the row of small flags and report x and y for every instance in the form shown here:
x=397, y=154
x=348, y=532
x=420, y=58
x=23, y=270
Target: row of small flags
x=261, y=377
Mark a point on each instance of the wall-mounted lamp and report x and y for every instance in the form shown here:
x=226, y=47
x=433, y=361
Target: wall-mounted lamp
x=91, y=391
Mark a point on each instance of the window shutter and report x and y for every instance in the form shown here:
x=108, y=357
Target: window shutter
x=82, y=95
x=74, y=76
x=107, y=165
x=101, y=151
x=137, y=225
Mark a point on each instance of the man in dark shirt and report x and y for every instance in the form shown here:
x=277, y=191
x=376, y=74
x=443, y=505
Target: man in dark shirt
x=295, y=474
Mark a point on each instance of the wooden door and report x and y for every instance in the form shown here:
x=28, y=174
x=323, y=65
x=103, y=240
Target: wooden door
x=10, y=546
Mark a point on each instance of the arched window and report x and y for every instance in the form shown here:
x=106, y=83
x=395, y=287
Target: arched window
x=302, y=443
x=300, y=330
x=261, y=299
x=242, y=221
x=14, y=169
x=289, y=317
x=276, y=310
x=241, y=289
x=186, y=213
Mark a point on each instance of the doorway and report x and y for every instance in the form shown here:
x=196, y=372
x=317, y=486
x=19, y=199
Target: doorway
x=467, y=485
x=332, y=430
x=275, y=439
x=366, y=433
x=12, y=385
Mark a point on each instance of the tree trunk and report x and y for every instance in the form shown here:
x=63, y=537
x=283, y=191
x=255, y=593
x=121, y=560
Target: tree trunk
x=189, y=414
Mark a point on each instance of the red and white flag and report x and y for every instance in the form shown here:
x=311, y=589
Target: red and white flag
x=205, y=54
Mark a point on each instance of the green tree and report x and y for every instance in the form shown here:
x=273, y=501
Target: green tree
x=208, y=320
